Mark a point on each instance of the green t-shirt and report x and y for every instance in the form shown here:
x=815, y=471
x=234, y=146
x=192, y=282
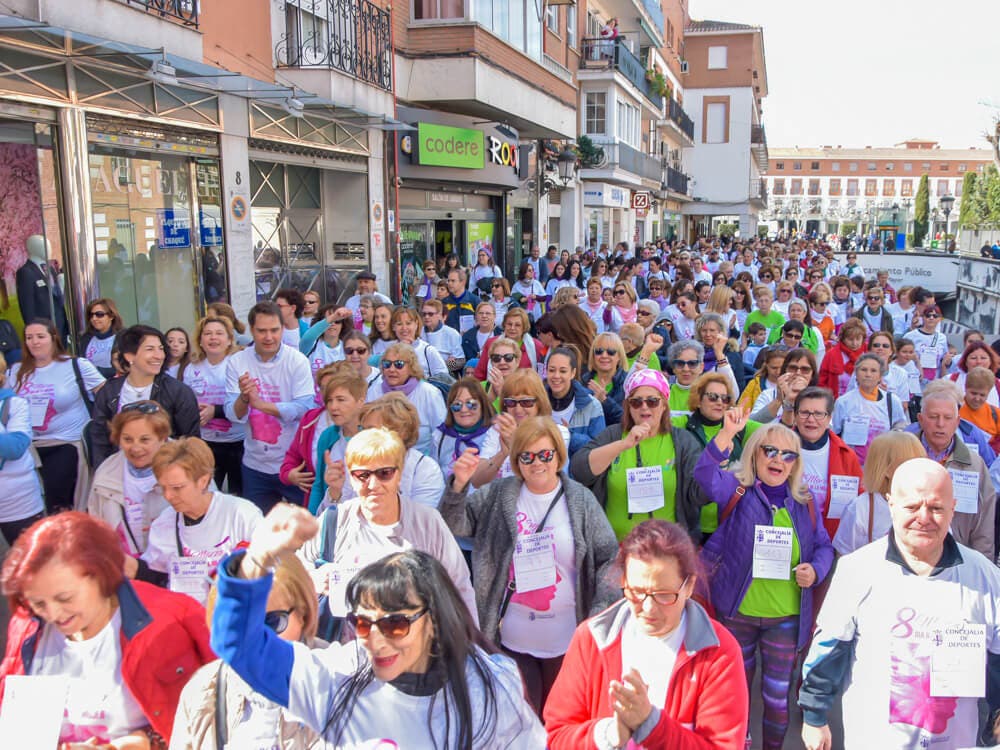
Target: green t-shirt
x=772, y=598
x=773, y=319
x=655, y=451
x=654, y=362
x=678, y=401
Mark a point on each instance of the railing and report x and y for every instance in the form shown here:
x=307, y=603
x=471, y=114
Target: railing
x=611, y=54
x=677, y=181
x=757, y=135
x=630, y=159
x=184, y=11
x=351, y=36
x=676, y=113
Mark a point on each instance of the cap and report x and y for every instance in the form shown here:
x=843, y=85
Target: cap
x=365, y=275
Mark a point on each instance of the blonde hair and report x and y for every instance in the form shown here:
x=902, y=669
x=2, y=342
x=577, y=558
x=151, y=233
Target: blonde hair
x=406, y=353
x=190, y=453
x=629, y=290
x=746, y=470
x=701, y=384
x=720, y=300
x=376, y=444
x=530, y=430
x=524, y=382
x=607, y=340
x=886, y=452
x=500, y=341
x=350, y=381
x=980, y=377
x=567, y=295
x=197, y=353
x=397, y=414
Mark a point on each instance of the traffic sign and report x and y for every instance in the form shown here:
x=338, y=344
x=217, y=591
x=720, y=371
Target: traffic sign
x=640, y=201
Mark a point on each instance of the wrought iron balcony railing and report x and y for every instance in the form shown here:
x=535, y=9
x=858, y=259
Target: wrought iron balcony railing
x=351, y=36
x=611, y=54
x=182, y=11
x=678, y=115
x=677, y=181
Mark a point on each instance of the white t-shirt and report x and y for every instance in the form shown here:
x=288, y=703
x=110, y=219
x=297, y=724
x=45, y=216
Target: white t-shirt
x=858, y=421
x=430, y=406
x=322, y=355
x=22, y=493
x=444, y=449
x=815, y=466
x=208, y=382
x=930, y=349
x=141, y=506
x=653, y=656
x=130, y=394
x=56, y=408
x=491, y=446
x=541, y=622
x=229, y=521
x=446, y=340
x=98, y=704
x=280, y=380
x=852, y=533
x=291, y=336
x=99, y=350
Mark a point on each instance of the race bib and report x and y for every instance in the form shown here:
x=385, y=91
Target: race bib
x=966, y=488
x=958, y=662
x=189, y=575
x=772, y=552
x=337, y=580
x=856, y=429
x=929, y=358
x=535, y=561
x=644, y=486
x=843, y=489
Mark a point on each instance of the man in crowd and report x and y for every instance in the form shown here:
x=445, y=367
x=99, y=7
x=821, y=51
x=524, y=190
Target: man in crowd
x=459, y=305
x=365, y=285
x=445, y=339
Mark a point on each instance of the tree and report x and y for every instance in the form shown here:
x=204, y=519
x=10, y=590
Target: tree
x=967, y=218
x=921, y=212
x=993, y=138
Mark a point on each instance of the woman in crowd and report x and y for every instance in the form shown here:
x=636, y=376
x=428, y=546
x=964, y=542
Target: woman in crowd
x=896, y=379
x=223, y=310
x=22, y=502
x=98, y=340
x=685, y=315
x=502, y=360
x=406, y=326
x=571, y=325
x=448, y=262
x=774, y=608
x=357, y=351
x=410, y=622
x=866, y=411
x=838, y=363
x=574, y=275
x=654, y=670
x=645, y=438
x=484, y=269
x=798, y=371
x=602, y=272
x=205, y=375
x=142, y=353
x=187, y=540
x=124, y=492
x=722, y=302
x=381, y=334
x=785, y=292
x=59, y=390
x=523, y=395
x=742, y=304
x=772, y=358
x=323, y=342
x=819, y=312
x=606, y=375
x=500, y=297
x=622, y=309
x=685, y=359
x=710, y=331
x=565, y=296
x=556, y=280
x=402, y=373
x=978, y=354
x=532, y=614
x=529, y=292
x=366, y=306
x=515, y=327
x=468, y=419
x=218, y=709
x=178, y=350
x=640, y=348
x=426, y=287
x=866, y=518
x=572, y=402
x=76, y=616
x=476, y=337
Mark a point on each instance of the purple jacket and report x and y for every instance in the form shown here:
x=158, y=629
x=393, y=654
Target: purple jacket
x=728, y=554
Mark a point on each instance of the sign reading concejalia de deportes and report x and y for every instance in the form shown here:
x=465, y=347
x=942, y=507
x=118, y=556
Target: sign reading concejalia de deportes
x=447, y=146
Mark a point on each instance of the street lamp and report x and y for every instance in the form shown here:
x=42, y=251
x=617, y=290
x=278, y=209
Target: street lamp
x=946, y=202
x=566, y=164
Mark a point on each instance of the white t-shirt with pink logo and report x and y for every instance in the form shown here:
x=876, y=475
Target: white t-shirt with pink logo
x=56, y=407
x=208, y=382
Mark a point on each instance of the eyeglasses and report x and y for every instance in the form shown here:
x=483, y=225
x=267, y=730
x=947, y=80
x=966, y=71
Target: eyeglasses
x=931, y=316
x=143, y=407
x=100, y=314
x=649, y=401
x=796, y=369
x=496, y=286
x=817, y=415
x=428, y=313
x=793, y=336
x=874, y=299
x=399, y=364
x=383, y=475
x=498, y=358
x=618, y=292
x=741, y=293
x=459, y=405
x=528, y=457
x=351, y=351
x=820, y=304
x=880, y=345
x=789, y=457
x=277, y=619
x=665, y=598
x=391, y=626
x=690, y=364
x=717, y=397
x=599, y=351
x=524, y=403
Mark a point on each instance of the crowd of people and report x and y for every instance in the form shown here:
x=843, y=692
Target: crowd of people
x=573, y=508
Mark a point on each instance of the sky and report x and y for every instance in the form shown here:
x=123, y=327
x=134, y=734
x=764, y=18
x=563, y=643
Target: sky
x=860, y=73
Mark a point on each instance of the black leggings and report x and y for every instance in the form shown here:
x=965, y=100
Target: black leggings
x=228, y=460
x=11, y=530
x=59, y=476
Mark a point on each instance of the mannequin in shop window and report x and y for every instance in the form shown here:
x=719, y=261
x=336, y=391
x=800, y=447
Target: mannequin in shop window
x=38, y=292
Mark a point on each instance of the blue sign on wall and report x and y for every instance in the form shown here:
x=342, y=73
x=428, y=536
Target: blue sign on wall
x=210, y=223
x=174, y=228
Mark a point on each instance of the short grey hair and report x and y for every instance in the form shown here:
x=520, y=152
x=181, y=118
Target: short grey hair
x=675, y=349
x=709, y=317
x=941, y=390
x=869, y=357
x=650, y=306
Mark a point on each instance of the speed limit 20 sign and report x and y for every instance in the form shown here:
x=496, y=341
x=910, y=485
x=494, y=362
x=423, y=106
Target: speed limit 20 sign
x=640, y=201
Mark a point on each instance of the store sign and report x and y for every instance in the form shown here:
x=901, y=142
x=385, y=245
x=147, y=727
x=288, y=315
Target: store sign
x=503, y=153
x=210, y=225
x=174, y=228
x=445, y=146
x=602, y=194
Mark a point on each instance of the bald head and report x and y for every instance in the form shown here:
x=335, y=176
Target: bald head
x=922, y=504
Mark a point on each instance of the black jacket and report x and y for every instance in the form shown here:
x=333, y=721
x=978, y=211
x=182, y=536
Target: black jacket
x=177, y=399
x=85, y=339
x=470, y=344
x=613, y=403
x=33, y=289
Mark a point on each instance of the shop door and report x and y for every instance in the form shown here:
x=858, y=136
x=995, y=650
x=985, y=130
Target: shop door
x=416, y=245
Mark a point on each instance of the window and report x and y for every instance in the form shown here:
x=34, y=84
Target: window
x=942, y=187
x=872, y=166
x=596, y=113
x=797, y=166
x=796, y=186
x=871, y=187
x=853, y=167
x=716, y=121
x=813, y=187
x=814, y=166
x=835, y=203
x=890, y=166
x=888, y=187
x=926, y=166
x=717, y=58
x=571, y=26
x=629, y=124
x=593, y=25
x=963, y=167
x=944, y=167
x=779, y=187
x=835, y=166
x=552, y=18
x=958, y=189
x=908, y=166
x=434, y=9
x=852, y=187
x=515, y=21
x=834, y=187
x=906, y=188
x=780, y=166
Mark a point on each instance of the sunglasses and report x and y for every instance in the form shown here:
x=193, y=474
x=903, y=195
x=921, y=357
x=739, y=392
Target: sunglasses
x=528, y=457
x=498, y=358
x=798, y=369
x=391, y=626
x=685, y=363
x=277, y=619
x=717, y=397
x=650, y=401
x=600, y=350
x=383, y=475
x=789, y=457
x=459, y=405
x=820, y=304
x=100, y=314
x=428, y=313
x=524, y=403
x=350, y=351
x=496, y=286
x=399, y=364
x=793, y=336
x=931, y=316
x=618, y=292
x=880, y=345
x=143, y=407
x=874, y=299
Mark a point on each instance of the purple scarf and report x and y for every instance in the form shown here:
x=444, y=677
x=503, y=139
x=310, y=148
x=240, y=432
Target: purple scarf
x=464, y=438
x=408, y=387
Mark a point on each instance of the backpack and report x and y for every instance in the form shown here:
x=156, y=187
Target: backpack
x=8, y=337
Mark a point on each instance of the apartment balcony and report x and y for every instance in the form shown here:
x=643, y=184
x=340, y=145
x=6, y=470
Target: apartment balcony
x=348, y=36
x=758, y=145
x=678, y=122
x=676, y=182
x=613, y=56
x=180, y=11
x=620, y=158
x=758, y=192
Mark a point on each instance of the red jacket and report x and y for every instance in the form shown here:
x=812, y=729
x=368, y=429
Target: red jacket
x=843, y=460
x=837, y=361
x=707, y=700
x=164, y=640
x=301, y=447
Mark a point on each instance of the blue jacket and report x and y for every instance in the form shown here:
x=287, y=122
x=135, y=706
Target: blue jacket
x=728, y=554
x=470, y=344
x=971, y=435
x=456, y=307
x=587, y=421
x=616, y=396
x=12, y=444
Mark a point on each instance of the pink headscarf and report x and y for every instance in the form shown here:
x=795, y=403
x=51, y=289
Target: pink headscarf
x=651, y=378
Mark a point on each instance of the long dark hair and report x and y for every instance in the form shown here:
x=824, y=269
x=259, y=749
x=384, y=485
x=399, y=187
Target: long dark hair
x=414, y=579
x=28, y=363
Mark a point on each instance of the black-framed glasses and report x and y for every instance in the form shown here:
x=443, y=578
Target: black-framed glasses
x=817, y=415
x=664, y=598
x=428, y=313
x=350, y=352
x=874, y=299
x=383, y=474
x=528, y=457
x=467, y=405
x=740, y=292
x=770, y=451
x=399, y=364
x=880, y=345
x=277, y=619
x=524, y=403
x=618, y=292
x=649, y=401
x=717, y=397
x=496, y=286
x=391, y=626
x=690, y=364
x=143, y=407
x=600, y=350
x=820, y=304
x=498, y=358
